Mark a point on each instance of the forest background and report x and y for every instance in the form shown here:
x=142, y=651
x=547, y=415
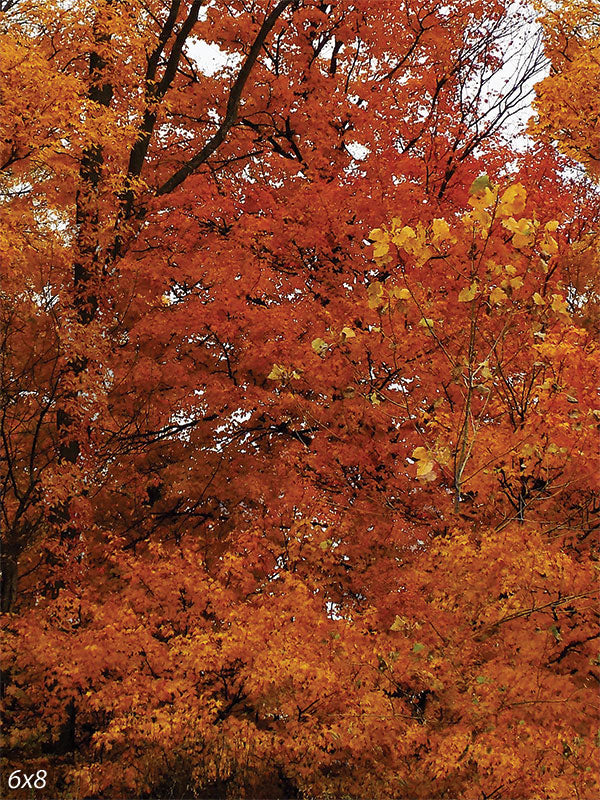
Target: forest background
x=298, y=399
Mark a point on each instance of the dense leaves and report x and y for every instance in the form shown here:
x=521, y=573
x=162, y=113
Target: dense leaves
x=298, y=400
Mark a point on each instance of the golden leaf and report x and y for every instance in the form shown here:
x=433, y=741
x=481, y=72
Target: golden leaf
x=513, y=200
x=468, y=293
x=400, y=294
x=377, y=235
x=404, y=235
x=319, y=345
x=420, y=453
x=277, y=373
x=424, y=468
x=440, y=230
x=497, y=296
x=375, y=292
x=558, y=304
x=380, y=249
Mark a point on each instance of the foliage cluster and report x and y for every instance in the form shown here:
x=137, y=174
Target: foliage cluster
x=291, y=509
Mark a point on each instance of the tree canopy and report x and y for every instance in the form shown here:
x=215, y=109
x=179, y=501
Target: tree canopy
x=299, y=399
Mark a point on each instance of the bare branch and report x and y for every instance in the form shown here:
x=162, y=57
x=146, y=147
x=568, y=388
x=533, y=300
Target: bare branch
x=232, y=105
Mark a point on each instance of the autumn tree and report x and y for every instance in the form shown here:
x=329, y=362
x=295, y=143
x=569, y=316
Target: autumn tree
x=298, y=401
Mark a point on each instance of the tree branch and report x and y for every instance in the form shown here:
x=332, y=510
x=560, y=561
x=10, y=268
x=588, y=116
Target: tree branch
x=232, y=105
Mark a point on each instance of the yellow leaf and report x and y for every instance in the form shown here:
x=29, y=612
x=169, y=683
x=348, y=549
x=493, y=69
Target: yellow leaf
x=552, y=225
x=513, y=200
x=380, y=249
x=319, y=345
x=486, y=372
x=497, y=296
x=377, y=235
x=443, y=456
x=514, y=226
x=400, y=294
x=424, y=468
x=467, y=294
x=549, y=246
x=375, y=292
x=398, y=624
x=522, y=230
x=348, y=333
x=558, y=304
x=404, y=235
x=426, y=322
x=440, y=229
x=277, y=373
x=423, y=255
x=481, y=201
x=516, y=283
x=420, y=453
x=538, y=299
